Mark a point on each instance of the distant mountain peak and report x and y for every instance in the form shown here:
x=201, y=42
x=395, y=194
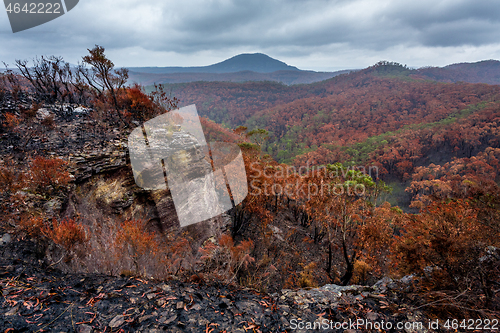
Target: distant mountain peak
x=255, y=62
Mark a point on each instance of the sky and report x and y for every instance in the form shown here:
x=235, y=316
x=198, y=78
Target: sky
x=320, y=35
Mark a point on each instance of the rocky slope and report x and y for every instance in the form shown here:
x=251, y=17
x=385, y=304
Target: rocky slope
x=37, y=297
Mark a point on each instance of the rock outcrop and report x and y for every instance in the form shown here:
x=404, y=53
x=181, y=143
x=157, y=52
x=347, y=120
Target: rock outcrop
x=83, y=165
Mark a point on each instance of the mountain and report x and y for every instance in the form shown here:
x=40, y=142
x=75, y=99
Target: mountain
x=240, y=68
x=486, y=71
x=255, y=62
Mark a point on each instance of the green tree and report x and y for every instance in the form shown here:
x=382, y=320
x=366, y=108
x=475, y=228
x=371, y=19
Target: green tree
x=258, y=136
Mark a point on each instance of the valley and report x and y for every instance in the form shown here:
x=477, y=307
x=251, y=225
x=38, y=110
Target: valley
x=415, y=236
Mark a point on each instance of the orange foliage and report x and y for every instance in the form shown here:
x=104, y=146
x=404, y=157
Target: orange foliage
x=67, y=233
x=47, y=174
x=11, y=120
x=138, y=105
x=453, y=251
x=139, y=100
x=225, y=260
x=134, y=240
x=133, y=236
x=33, y=226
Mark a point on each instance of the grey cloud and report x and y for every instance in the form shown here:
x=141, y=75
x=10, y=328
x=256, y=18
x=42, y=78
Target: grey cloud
x=450, y=23
x=279, y=26
x=466, y=32
x=424, y=13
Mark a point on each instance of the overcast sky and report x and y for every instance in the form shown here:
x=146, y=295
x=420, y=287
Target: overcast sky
x=322, y=35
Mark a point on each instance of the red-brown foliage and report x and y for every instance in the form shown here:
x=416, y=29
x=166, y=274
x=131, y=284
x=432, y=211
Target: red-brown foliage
x=11, y=178
x=11, y=121
x=136, y=104
x=216, y=133
x=134, y=240
x=32, y=226
x=455, y=255
x=67, y=233
x=224, y=259
x=47, y=175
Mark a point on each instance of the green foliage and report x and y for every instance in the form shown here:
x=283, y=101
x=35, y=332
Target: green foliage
x=360, y=151
x=258, y=136
x=396, y=209
x=248, y=146
x=391, y=70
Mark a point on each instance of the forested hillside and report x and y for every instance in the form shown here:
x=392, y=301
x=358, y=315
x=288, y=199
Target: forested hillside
x=384, y=116
x=487, y=71
x=360, y=106
x=233, y=104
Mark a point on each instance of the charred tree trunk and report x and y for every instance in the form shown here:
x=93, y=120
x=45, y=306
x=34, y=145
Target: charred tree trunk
x=350, y=265
x=238, y=218
x=330, y=260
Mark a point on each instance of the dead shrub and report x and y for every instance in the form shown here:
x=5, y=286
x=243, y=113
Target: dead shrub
x=11, y=121
x=455, y=256
x=178, y=257
x=31, y=112
x=47, y=175
x=135, y=242
x=109, y=191
x=224, y=260
x=259, y=275
x=31, y=226
x=138, y=250
x=11, y=179
x=361, y=272
x=66, y=233
x=49, y=122
x=306, y=278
